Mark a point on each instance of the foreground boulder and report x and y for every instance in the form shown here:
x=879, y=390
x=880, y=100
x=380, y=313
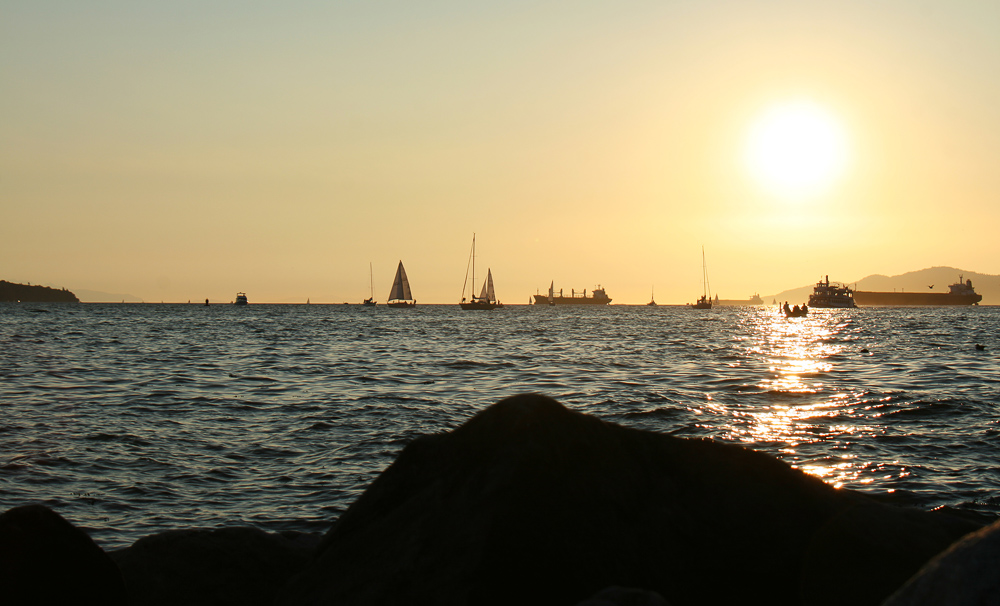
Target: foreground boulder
x=531, y=503
x=239, y=565
x=44, y=559
x=966, y=574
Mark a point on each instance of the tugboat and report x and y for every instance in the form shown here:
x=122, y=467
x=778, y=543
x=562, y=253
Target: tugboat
x=827, y=295
x=241, y=299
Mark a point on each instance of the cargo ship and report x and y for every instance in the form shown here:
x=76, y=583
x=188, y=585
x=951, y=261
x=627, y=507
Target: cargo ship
x=597, y=297
x=827, y=295
x=754, y=300
x=960, y=293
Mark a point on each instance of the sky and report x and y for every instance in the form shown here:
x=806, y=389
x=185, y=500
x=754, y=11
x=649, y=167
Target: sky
x=187, y=150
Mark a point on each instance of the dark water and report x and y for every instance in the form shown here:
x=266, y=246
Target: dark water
x=134, y=419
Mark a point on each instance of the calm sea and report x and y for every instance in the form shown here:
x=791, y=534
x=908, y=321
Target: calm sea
x=131, y=419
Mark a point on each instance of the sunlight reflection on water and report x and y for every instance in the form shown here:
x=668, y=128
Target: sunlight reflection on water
x=801, y=405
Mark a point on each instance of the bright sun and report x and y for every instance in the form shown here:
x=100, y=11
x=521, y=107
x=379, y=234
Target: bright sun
x=796, y=150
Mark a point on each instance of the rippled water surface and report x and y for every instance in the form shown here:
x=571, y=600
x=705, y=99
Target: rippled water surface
x=134, y=419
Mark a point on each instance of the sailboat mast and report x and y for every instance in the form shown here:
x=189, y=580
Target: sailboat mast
x=371, y=281
x=704, y=274
x=473, y=265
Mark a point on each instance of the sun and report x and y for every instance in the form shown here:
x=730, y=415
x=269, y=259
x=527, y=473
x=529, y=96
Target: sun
x=796, y=150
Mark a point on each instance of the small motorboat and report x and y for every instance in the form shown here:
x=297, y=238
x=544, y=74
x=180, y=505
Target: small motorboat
x=795, y=312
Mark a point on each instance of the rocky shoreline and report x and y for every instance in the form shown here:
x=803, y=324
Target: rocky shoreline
x=531, y=503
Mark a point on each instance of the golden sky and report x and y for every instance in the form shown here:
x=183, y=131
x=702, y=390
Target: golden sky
x=188, y=150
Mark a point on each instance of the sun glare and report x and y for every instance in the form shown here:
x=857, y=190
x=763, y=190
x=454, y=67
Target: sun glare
x=796, y=150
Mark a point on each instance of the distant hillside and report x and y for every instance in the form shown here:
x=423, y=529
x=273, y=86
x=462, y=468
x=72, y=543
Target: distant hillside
x=26, y=293
x=94, y=296
x=914, y=281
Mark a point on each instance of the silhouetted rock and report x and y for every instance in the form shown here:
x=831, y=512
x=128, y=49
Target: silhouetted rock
x=44, y=559
x=624, y=596
x=966, y=574
x=239, y=566
x=530, y=503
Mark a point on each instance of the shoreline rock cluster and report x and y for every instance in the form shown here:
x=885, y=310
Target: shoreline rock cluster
x=531, y=503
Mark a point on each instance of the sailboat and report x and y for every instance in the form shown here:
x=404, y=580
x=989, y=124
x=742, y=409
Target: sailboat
x=652, y=300
x=705, y=302
x=487, y=299
x=400, y=295
x=370, y=301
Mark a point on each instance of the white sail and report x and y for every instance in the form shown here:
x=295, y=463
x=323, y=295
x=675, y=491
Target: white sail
x=400, y=285
x=488, y=294
x=406, y=283
x=552, y=288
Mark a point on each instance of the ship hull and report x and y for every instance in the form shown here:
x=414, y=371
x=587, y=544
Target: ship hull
x=480, y=305
x=871, y=298
x=544, y=300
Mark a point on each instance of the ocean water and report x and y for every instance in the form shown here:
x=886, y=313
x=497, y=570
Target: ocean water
x=131, y=419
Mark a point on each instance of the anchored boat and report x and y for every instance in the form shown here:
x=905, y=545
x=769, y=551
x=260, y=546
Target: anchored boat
x=705, y=302
x=487, y=299
x=370, y=301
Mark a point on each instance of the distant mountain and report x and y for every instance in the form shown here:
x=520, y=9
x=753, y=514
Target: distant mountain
x=26, y=293
x=94, y=296
x=914, y=281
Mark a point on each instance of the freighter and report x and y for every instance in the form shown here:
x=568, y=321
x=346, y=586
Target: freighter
x=754, y=300
x=597, y=297
x=960, y=293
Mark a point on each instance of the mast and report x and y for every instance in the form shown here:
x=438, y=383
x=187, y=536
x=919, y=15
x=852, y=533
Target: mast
x=371, y=281
x=704, y=274
x=472, y=262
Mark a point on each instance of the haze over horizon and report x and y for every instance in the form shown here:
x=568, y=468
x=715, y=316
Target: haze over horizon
x=188, y=150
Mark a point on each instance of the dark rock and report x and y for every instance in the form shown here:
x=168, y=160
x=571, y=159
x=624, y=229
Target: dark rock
x=966, y=574
x=530, y=503
x=244, y=566
x=44, y=559
x=624, y=596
